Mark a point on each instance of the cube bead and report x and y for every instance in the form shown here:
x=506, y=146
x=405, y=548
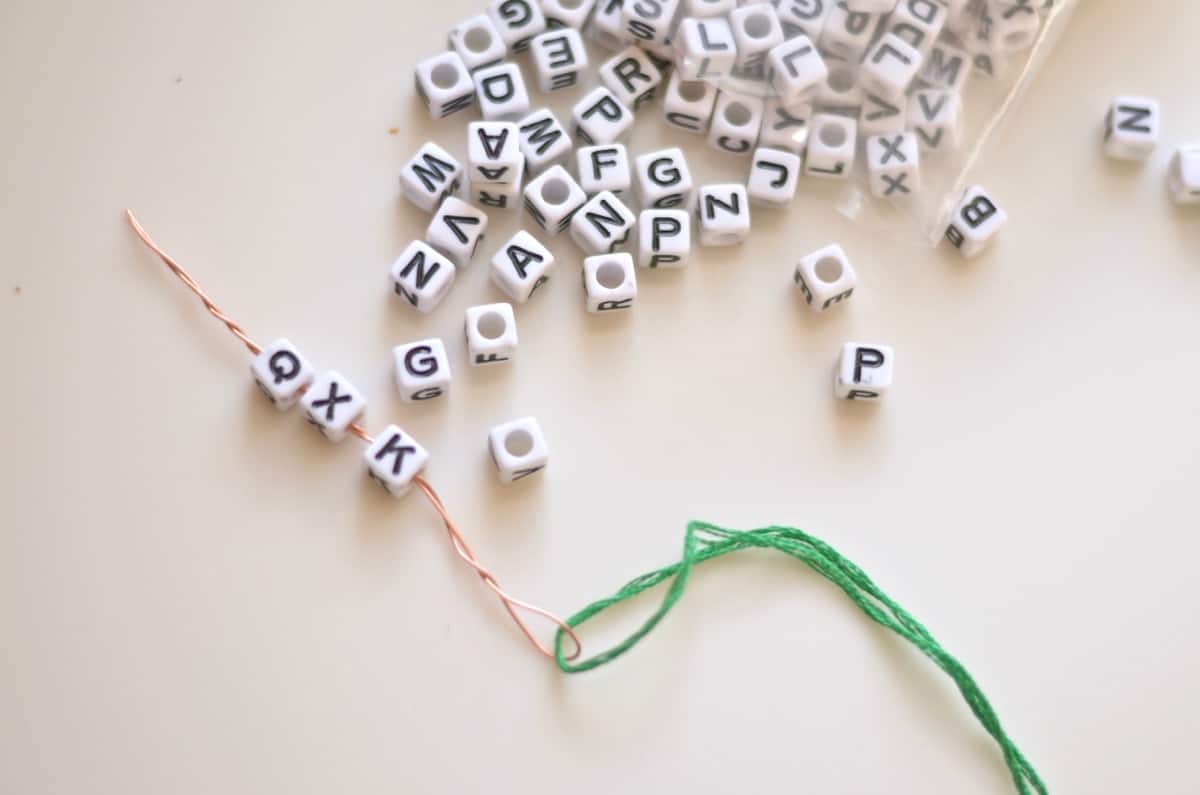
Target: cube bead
x=609, y=282
x=282, y=373
x=394, y=460
x=422, y=370
x=518, y=449
x=864, y=371
x=332, y=404
x=491, y=334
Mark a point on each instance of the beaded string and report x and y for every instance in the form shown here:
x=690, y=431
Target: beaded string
x=511, y=604
x=705, y=542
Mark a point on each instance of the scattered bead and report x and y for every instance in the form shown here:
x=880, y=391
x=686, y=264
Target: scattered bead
x=664, y=239
x=553, y=199
x=688, y=104
x=609, y=282
x=559, y=58
x=735, y=123
x=430, y=176
x=774, y=175
x=894, y=165
x=544, y=141
x=501, y=92
x=518, y=20
x=602, y=224
x=600, y=118
x=456, y=230
x=975, y=222
x=663, y=179
x=331, y=404
x=1184, y=179
x=444, y=85
x=631, y=76
x=394, y=460
x=422, y=370
x=491, y=334
x=518, y=449
x=282, y=373
x=723, y=212
x=521, y=266
x=864, y=371
x=422, y=276
x=831, y=146
x=603, y=168
x=478, y=42
x=825, y=278
x=1131, y=128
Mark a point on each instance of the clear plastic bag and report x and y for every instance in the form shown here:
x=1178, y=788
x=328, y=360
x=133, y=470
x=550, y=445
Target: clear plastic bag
x=983, y=53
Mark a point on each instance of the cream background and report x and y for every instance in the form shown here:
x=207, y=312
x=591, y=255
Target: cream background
x=200, y=596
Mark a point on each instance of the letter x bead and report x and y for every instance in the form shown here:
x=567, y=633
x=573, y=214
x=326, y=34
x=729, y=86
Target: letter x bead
x=333, y=404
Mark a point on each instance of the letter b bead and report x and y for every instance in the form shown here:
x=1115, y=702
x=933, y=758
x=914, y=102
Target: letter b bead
x=422, y=370
x=975, y=223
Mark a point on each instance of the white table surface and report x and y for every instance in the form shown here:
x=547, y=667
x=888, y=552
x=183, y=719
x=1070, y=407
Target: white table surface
x=198, y=595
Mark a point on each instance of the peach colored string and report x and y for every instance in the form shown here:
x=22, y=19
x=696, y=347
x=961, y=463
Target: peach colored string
x=511, y=603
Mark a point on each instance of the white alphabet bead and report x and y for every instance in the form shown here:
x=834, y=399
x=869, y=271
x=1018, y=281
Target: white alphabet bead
x=567, y=13
x=491, y=334
x=881, y=116
x=544, y=140
x=663, y=179
x=1015, y=25
x=331, y=404
x=1184, y=179
x=1131, y=129
x=805, y=17
x=735, y=123
x=499, y=196
x=864, y=371
x=422, y=370
x=918, y=22
x=609, y=282
x=601, y=168
x=756, y=31
x=889, y=68
x=518, y=449
x=282, y=373
x=518, y=20
x=702, y=9
x=601, y=118
x=559, y=57
x=601, y=225
x=848, y=33
x=704, y=49
x=935, y=115
x=553, y=199
x=825, y=278
x=664, y=239
x=947, y=67
x=871, y=6
x=607, y=28
x=501, y=92
x=456, y=230
x=975, y=222
x=444, y=85
x=422, y=276
x=774, y=175
x=430, y=176
x=521, y=266
x=894, y=165
x=494, y=153
x=649, y=21
x=831, y=146
x=478, y=42
x=840, y=93
x=795, y=69
x=785, y=126
x=688, y=104
x=394, y=460
x=631, y=76
x=723, y=214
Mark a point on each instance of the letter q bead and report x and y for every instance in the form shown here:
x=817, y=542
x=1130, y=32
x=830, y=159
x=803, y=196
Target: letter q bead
x=332, y=404
x=491, y=334
x=394, y=460
x=518, y=449
x=282, y=373
x=864, y=371
x=422, y=370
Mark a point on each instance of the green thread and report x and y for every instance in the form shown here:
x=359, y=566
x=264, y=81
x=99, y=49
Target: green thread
x=705, y=541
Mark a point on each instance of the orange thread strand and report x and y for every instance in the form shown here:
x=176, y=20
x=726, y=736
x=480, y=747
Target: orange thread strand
x=511, y=604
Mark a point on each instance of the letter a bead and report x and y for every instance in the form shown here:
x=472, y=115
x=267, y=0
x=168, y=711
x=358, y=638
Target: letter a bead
x=394, y=459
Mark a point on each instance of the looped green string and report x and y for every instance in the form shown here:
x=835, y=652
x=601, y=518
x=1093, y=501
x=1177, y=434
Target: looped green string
x=705, y=542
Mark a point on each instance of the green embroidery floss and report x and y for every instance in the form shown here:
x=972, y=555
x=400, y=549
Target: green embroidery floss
x=704, y=542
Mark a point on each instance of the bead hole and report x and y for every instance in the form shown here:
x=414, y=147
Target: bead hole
x=491, y=325
x=841, y=79
x=610, y=275
x=757, y=26
x=1016, y=39
x=570, y=5
x=692, y=90
x=519, y=443
x=832, y=135
x=445, y=75
x=829, y=269
x=555, y=191
x=737, y=114
x=478, y=39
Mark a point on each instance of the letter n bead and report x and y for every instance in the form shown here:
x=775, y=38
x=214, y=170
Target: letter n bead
x=976, y=221
x=422, y=277
x=332, y=403
x=864, y=371
x=518, y=449
x=394, y=459
x=282, y=373
x=1131, y=128
x=422, y=370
